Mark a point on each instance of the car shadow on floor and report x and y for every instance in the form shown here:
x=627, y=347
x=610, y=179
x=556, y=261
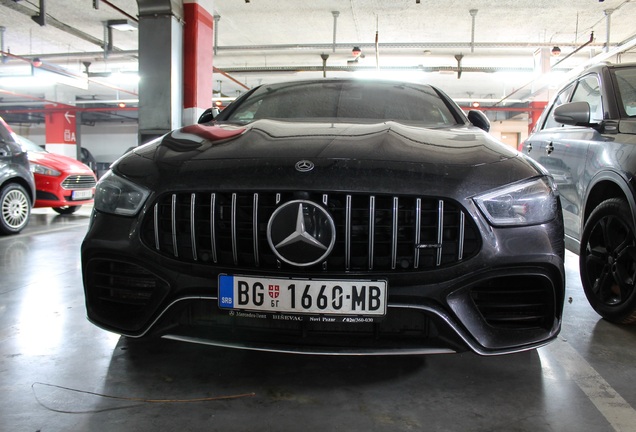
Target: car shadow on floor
x=156, y=383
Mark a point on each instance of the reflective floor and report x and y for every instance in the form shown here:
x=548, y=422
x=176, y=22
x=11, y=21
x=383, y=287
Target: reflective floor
x=60, y=373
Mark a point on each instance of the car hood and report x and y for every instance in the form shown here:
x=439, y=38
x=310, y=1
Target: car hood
x=59, y=162
x=264, y=153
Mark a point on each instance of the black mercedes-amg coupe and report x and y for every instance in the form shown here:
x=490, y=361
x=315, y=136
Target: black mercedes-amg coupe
x=330, y=217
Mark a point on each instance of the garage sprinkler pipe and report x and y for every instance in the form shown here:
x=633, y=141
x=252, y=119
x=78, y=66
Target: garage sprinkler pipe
x=217, y=18
x=551, y=68
x=608, y=14
x=41, y=17
x=377, y=43
x=575, y=51
x=324, y=58
x=473, y=13
x=335, y=14
x=4, y=57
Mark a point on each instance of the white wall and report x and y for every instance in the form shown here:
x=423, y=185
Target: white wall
x=499, y=129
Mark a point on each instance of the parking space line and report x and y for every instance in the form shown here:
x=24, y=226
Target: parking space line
x=618, y=412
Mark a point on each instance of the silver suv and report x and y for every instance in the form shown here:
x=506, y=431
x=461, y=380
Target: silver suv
x=586, y=138
x=17, y=187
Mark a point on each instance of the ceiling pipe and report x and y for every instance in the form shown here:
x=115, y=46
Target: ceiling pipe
x=336, y=68
x=231, y=78
x=575, y=51
x=335, y=14
x=121, y=11
x=608, y=24
x=217, y=18
x=473, y=13
x=35, y=98
x=324, y=58
x=403, y=45
x=108, y=40
x=74, y=108
x=386, y=46
x=459, y=58
x=69, y=73
x=4, y=57
x=621, y=47
x=41, y=17
x=377, y=43
x=552, y=68
x=505, y=109
x=50, y=21
x=83, y=55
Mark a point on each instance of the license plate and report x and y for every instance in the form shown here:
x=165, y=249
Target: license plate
x=303, y=296
x=82, y=194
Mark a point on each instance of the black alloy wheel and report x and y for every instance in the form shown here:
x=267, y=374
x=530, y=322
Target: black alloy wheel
x=608, y=261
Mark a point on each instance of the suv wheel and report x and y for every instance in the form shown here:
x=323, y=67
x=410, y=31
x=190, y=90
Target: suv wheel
x=16, y=208
x=608, y=261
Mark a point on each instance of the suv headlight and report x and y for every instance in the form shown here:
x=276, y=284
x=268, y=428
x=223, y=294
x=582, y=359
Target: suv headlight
x=114, y=194
x=530, y=202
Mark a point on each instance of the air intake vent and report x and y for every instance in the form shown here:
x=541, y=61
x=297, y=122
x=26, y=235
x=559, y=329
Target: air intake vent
x=373, y=232
x=516, y=302
x=123, y=290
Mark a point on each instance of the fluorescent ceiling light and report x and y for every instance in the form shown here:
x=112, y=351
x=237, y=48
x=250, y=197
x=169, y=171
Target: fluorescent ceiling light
x=106, y=101
x=124, y=78
x=26, y=81
x=394, y=75
x=59, y=78
x=122, y=25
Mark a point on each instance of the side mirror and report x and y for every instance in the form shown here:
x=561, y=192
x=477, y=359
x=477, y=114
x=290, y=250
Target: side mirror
x=209, y=115
x=479, y=119
x=573, y=114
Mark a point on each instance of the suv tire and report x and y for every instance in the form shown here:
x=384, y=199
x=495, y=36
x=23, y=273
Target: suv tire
x=607, y=261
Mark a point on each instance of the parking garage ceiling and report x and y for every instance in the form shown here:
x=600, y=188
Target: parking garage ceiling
x=488, y=51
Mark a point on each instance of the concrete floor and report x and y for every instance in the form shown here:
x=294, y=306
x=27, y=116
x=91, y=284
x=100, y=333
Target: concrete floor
x=60, y=373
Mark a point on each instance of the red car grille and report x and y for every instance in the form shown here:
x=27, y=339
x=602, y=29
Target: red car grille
x=79, y=182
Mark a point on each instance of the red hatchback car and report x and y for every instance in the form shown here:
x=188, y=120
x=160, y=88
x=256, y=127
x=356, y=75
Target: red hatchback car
x=61, y=182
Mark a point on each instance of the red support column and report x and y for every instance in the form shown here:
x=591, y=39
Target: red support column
x=61, y=131
x=198, y=45
x=535, y=113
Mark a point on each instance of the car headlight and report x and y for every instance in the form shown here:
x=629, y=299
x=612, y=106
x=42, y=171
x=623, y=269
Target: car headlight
x=526, y=203
x=42, y=169
x=114, y=194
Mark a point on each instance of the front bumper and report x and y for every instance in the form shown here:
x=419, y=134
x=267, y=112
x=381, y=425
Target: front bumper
x=505, y=299
x=52, y=196
x=73, y=190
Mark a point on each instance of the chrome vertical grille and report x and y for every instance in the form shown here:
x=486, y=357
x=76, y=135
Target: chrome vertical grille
x=376, y=233
x=212, y=226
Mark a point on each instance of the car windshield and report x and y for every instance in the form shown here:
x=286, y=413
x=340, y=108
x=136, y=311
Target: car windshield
x=345, y=101
x=28, y=145
x=626, y=80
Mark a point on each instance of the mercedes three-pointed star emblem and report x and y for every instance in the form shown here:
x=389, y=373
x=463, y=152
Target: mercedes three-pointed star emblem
x=301, y=233
x=304, y=165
